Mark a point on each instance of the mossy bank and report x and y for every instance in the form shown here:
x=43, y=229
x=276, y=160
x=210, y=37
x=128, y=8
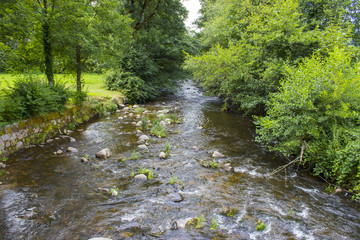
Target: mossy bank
x=40, y=129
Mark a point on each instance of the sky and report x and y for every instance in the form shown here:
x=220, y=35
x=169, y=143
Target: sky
x=193, y=6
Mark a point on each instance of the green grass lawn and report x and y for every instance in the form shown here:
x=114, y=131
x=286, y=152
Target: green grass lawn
x=94, y=83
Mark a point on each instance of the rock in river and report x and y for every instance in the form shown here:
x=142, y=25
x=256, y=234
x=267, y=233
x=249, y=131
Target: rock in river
x=71, y=149
x=141, y=177
x=104, y=153
x=216, y=154
x=162, y=155
x=143, y=138
x=176, y=197
x=143, y=148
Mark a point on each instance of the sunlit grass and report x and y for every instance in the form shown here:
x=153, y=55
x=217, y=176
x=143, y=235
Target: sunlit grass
x=94, y=83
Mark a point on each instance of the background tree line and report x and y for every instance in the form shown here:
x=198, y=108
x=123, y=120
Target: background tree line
x=294, y=66
x=139, y=44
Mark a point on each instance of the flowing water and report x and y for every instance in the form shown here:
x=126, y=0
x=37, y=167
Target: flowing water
x=47, y=196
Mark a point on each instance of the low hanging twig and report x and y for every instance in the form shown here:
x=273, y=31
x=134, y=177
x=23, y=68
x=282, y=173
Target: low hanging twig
x=284, y=166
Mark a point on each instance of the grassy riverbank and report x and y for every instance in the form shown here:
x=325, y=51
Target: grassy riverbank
x=94, y=83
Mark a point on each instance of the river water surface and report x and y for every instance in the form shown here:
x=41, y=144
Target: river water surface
x=47, y=196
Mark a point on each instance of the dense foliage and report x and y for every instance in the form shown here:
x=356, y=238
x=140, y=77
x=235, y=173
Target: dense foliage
x=30, y=96
x=295, y=63
x=156, y=52
x=315, y=115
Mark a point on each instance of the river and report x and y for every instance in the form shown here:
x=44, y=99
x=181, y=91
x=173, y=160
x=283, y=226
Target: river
x=47, y=196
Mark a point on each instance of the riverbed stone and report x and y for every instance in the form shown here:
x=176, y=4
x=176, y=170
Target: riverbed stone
x=100, y=238
x=2, y=165
x=143, y=138
x=104, y=153
x=175, y=197
x=141, y=177
x=162, y=155
x=84, y=160
x=217, y=154
x=181, y=223
x=72, y=139
x=72, y=149
x=227, y=167
x=143, y=147
x=59, y=152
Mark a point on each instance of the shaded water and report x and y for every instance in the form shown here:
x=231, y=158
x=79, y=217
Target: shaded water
x=48, y=196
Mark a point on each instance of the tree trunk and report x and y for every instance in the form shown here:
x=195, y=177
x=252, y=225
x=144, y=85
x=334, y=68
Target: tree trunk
x=48, y=47
x=78, y=68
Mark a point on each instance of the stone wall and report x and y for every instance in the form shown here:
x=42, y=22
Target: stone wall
x=38, y=129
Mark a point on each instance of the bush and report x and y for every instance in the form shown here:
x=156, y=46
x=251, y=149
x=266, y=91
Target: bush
x=134, y=88
x=315, y=115
x=30, y=96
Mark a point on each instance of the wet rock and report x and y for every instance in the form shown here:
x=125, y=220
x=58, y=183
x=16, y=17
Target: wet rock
x=143, y=138
x=104, y=153
x=114, y=193
x=71, y=149
x=227, y=167
x=181, y=223
x=143, y=147
x=128, y=145
x=72, y=139
x=131, y=115
x=176, y=197
x=84, y=160
x=135, y=106
x=118, y=111
x=228, y=211
x=138, y=124
x=50, y=140
x=103, y=190
x=121, y=106
x=196, y=148
x=164, y=123
x=59, y=152
x=2, y=165
x=97, y=141
x=100, y=238
x=199, y=128
x=162, y=155
x=54, y=153
x=337, y=190
x=139, y=132
x=216, y=154
x=120, y=118
x=80, y=130
x=138, y=116
x=141, y=177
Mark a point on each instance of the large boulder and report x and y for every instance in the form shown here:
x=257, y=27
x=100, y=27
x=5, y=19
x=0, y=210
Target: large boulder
x=104, y=153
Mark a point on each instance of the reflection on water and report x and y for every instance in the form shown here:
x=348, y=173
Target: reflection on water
x=49, y=196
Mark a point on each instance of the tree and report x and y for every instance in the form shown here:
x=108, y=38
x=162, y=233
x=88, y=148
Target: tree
x=315, y=117
x=254, y=41
x=91, y=31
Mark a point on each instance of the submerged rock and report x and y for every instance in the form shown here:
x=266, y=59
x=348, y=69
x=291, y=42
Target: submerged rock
x=227, y=167
x=71, y=149
x=104, y=153
x=216, y=154
x=72, y=139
